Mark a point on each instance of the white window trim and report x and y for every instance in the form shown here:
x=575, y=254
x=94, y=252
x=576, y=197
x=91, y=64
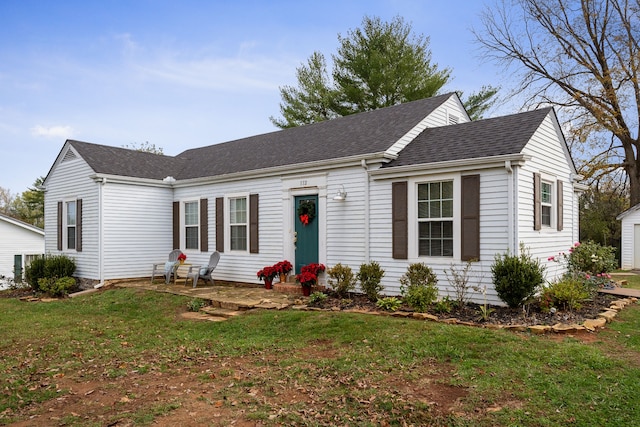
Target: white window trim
x=551, y=180
x=412, y=216
x=227, y=221
x=183, y=225
x=65, y=225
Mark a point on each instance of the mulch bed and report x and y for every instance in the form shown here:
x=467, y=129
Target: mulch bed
x=527, y=316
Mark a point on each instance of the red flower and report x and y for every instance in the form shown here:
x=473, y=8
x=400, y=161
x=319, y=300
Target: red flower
x=182, y=257
x=309, y=274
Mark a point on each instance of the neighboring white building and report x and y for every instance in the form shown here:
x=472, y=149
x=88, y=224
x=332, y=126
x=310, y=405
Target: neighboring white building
x=19, y=242
x=416, y=182
x=630, y=238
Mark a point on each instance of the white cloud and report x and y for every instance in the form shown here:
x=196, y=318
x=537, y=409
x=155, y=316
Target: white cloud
x=52, y=131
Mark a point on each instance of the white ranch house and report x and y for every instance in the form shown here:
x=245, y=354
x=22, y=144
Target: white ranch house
x=19, y=244
x=416, y=182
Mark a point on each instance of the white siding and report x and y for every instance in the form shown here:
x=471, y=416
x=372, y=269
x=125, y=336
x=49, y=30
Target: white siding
x=242, y=266
x=17, y=240
x=69, y=180
x=549, y=159
x=627, y=247
x=137, y=229
x=493, y=236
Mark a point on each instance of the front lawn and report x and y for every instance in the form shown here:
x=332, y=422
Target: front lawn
x=127, y=356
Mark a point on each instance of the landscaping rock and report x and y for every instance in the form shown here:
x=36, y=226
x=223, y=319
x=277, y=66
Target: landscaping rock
x=539, y=329
x=609, y=315
x=593, y=324
x=564, y=328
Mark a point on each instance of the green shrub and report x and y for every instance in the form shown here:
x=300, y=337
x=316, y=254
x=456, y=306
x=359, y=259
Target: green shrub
x=195, y=304
x=370, y=275
x=317, y=298
x=341, y=279
x=34, y=272
x=418, y=287
x=59, y=266
x=516, y=278
x=389, y=303
x=57, y=287
x=444, y=306
x=567, y=293
x=592, y=258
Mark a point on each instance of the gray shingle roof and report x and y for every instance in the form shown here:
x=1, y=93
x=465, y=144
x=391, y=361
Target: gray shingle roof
x=126, y=162
x=357, y=134
x=482, y=138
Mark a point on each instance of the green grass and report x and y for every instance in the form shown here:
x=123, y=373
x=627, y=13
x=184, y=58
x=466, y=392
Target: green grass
x=349, y=369
x=633, y=280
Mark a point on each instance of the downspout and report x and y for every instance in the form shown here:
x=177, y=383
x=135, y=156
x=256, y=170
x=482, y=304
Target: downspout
x=367, y=207
x=101, y=233
x=512, y=202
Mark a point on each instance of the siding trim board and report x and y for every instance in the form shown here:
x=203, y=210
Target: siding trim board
x=176, y=225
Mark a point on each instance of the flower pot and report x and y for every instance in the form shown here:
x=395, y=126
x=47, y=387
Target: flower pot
x=181, y=261
x=306, y=291
x=267, y=284
x=283, y=278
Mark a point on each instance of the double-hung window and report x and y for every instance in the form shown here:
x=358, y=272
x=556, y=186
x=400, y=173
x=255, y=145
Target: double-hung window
x=546, y=199
x=238, y=223
x=192, y=225
x=435, y=219
x=71, y=224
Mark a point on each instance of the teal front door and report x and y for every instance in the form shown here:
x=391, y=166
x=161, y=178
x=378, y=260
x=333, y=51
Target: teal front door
x=306, y=220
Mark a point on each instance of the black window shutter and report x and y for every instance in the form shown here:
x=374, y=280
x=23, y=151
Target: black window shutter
x=204, y=225
x=59, y=226
x=470, y=236
x=399, y=220
x=537, y=202
x=254, y=246
x=560, y=206
x=176, y=225
x=79, y=225
x=220, y=224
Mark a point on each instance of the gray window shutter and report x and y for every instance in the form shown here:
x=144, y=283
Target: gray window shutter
x=254, y=246
x=176, y=225
x=220, y=224
x=470, y=218
x=560, y=206
x=399, y=220
x=204, y=225
x=537, y=202
x=59, y=226
x=79, y=225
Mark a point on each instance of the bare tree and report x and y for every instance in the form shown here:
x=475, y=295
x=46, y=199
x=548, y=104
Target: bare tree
x=581, y=55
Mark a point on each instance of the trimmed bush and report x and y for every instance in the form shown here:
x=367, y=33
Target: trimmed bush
x=57, y=287
x=370, y=275
x=50, y=267
x=34, y=272
x=341, y=279
x=517, y=278
x=567, y=293
x=418, y=287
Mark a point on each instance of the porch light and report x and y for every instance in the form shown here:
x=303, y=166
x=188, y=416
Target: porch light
x=342, y=195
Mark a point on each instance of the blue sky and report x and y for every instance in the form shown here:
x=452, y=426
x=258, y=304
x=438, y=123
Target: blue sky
x=182, y=74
